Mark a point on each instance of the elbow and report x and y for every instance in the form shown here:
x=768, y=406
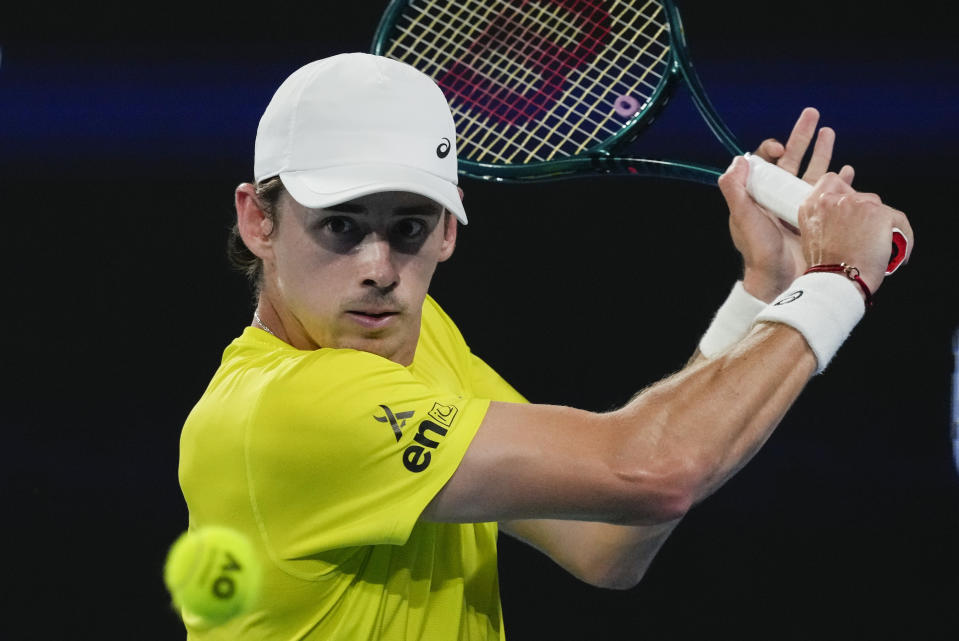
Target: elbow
x=613, y=572
x=622, y=568
x=618, y=579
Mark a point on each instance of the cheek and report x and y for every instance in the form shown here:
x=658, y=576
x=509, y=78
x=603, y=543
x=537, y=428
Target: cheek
x=417, y=271
x=303, y=272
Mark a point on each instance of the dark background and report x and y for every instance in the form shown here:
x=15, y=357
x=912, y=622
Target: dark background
x=123, y=131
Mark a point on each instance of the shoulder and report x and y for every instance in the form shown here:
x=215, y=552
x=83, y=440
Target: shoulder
x=269, y=376
x=272, y=360
x=434, y=314
x=439, y=326
x=332, y=375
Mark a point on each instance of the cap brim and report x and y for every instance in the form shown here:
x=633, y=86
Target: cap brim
x=319, y=188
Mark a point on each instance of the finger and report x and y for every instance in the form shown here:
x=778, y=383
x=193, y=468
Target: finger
x=821, y=155
x=832, y=183
x=847, y=173
x=847, y=194
x=868, y=198
x=732, y=183
x=770, y=150
x=792, y=229
x=798, y=142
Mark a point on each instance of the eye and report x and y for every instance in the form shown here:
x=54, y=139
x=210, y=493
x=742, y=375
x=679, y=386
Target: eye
x=339, y=225
x=340, y=233
x=410, y=228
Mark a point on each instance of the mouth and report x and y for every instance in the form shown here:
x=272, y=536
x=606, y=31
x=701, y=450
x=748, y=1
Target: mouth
x=375, y=312
x=372, y=318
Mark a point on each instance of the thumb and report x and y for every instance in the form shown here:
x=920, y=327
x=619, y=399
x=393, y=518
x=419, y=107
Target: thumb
x=732, y=183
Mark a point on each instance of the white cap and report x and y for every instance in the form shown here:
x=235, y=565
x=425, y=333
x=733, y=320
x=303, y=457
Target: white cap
x=356, y=124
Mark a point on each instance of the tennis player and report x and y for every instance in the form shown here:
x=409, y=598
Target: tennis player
x=372, y=458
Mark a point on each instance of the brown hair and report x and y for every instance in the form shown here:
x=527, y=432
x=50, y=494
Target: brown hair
x=268, y=192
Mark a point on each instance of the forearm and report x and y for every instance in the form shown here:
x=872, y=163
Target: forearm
x=705, y=422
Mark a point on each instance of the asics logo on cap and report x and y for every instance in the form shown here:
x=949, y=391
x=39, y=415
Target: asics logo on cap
x=443, y=150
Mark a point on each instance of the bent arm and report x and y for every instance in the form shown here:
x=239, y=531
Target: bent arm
x=646, y=463
x=594, y=489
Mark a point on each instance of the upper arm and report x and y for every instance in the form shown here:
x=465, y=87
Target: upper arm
x=543, y=461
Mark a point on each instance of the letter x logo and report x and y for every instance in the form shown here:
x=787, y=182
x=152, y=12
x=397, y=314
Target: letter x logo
x=397, y=421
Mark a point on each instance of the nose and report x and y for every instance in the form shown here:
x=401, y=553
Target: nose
x=377, y=267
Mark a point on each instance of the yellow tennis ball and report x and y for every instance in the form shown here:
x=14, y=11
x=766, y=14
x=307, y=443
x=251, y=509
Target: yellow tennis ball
x=213, y=574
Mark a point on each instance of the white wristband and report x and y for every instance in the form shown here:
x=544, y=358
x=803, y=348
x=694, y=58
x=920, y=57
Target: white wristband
x=823, y=307
x=731, y=322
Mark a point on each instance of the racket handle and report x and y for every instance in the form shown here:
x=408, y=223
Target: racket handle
x=781, y=193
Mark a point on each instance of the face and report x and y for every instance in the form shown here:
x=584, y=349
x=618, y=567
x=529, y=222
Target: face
x=355, y=275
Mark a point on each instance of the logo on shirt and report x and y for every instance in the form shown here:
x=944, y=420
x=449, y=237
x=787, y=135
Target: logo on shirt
x=397, y=421
x=443, y=414
x=429, y=435
x=417, y=457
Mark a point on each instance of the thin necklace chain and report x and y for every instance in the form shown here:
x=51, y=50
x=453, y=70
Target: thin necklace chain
x=257, y=321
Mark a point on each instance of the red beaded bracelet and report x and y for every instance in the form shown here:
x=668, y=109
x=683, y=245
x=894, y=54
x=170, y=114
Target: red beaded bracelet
x=848, y=270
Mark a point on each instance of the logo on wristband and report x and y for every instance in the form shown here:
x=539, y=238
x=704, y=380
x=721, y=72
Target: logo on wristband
x=789, y=297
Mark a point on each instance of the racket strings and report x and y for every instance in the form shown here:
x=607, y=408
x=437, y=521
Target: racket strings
x=456, y=21
x=496, y=59
x=530, y=81
x=500, y=93
x=599, y=89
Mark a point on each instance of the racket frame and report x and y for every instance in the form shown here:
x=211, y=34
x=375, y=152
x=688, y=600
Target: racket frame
x=604, y=158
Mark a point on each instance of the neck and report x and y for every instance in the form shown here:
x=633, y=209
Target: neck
x=258, y=322
x=266, y=318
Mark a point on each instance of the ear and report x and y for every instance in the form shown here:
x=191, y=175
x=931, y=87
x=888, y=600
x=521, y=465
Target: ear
x=450, y=227
x=254, y=225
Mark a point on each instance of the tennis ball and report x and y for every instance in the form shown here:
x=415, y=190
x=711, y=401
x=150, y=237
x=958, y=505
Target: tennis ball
x=212, y=574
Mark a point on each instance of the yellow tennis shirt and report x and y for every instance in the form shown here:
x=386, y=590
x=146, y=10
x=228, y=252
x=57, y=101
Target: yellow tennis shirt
x=326, y=459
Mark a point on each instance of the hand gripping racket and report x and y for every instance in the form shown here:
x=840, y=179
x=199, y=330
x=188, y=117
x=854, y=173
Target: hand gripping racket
x=551, y=89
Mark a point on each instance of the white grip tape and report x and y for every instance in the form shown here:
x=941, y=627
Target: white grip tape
x=776, y=189
x=731, y=322
x=782, y=193
x=823, y=307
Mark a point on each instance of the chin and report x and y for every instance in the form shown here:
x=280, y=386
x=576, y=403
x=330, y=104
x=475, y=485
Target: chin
x=389, y=347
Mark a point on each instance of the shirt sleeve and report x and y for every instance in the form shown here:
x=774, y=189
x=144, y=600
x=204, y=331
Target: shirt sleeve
x=347, y=449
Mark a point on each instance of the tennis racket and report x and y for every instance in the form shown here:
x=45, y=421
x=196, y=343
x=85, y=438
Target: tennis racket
x=552, y=89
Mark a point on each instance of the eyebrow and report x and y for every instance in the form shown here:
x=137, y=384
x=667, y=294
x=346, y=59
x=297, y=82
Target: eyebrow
x=426, y=209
